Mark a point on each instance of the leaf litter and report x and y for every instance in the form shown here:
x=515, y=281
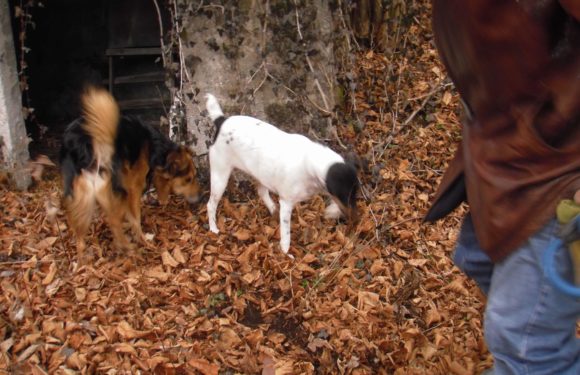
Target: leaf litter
x=384, y=300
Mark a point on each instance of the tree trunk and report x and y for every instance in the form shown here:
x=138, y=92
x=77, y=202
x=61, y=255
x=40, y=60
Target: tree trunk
x=376, y=23
x=274, y=60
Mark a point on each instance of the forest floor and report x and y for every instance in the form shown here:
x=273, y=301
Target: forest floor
x=383, y=300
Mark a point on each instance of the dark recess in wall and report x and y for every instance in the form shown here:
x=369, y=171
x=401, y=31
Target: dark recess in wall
x=70, y=46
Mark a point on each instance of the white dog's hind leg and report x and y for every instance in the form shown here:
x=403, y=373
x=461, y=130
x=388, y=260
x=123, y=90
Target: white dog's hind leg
x=264, y=193
x=285, y=217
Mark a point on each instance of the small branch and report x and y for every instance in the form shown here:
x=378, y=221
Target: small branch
x=402, y=222
x=20, y=262
x=423, y=104
x=334, y=132
x=367, y=199
x=297, y=20
x=265, y=27
x=262, y=65
x=266, y=75
x=160, y=20
x=350, y=34
x=326, y=108
x=317, y=84
x=428, y=94
x=181, y=62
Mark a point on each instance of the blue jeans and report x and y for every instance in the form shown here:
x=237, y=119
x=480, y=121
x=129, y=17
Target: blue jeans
x=529, y=326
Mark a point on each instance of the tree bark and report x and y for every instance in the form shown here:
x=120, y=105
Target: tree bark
x=274, y=60
x=376, y=22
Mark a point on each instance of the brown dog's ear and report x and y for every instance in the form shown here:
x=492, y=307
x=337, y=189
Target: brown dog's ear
x=172, y=163
x=179, y=161
x=187, y=150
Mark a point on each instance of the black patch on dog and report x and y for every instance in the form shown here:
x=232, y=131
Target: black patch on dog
x=342, y=182
x=218, y=125
x=76, y=153
x=132, y=136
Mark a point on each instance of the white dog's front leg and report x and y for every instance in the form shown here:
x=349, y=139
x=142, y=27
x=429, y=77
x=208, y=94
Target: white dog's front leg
x=211, y=212
x=265, y=195
x=285, y=217
x=219, y=181
x=332, y=211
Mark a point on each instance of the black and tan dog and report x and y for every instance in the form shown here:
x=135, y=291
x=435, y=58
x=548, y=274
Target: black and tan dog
x=108, y=160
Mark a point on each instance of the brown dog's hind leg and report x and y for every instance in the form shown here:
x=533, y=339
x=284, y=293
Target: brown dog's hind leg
x=115, y=208
x=80, y=207
x=135, y=184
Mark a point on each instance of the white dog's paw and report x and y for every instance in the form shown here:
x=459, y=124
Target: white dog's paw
x=287, y=253
x=214, y=229
x=332, y=211
x=285, y=246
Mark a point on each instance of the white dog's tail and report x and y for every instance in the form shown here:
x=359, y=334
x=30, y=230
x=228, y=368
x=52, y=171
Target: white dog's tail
x=213, y=107
x=215, y=114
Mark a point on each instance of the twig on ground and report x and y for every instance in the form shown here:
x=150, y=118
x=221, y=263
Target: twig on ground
x=20, y=262
x=297, y=20
x=428, y=96
x=402, y=222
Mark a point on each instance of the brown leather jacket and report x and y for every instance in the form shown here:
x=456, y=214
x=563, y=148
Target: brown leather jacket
x=516, y=65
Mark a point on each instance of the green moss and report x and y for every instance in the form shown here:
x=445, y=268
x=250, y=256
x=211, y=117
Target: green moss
x=340, y=96
x=244, y=6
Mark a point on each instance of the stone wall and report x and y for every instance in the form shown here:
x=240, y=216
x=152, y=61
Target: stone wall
x=276, y=60
x=13, y=138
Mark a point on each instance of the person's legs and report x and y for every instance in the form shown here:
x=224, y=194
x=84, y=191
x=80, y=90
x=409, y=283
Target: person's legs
x=529, y=325
x=470, y=258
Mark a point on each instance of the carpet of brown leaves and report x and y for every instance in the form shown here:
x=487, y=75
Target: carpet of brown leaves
x=384, y=300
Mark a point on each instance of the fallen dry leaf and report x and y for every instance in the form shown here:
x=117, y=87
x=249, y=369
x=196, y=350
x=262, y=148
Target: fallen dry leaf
x=126, y=331
x=243, y=234
x=168, y=260
x=178, y=256
x=50, y=275
x=204, y=366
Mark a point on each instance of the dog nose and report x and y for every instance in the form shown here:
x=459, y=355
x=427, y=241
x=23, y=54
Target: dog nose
x=193, y=199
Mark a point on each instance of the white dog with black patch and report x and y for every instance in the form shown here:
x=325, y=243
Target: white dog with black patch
x=289, y=165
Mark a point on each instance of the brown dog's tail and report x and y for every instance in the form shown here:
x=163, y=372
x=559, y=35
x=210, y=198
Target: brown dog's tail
x=101, y=119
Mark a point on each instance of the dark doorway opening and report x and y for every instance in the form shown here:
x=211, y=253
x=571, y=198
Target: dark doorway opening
x=72, y=43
